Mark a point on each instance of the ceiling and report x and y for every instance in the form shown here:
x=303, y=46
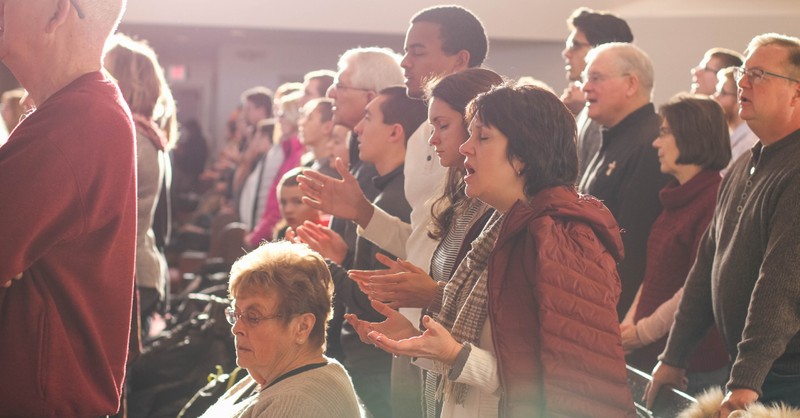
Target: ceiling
x=529, y=20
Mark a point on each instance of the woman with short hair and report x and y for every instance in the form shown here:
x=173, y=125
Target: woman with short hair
x=281, y=304
x=693, y=146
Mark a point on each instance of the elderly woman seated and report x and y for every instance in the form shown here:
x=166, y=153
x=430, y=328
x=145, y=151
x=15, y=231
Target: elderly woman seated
x=281, y=296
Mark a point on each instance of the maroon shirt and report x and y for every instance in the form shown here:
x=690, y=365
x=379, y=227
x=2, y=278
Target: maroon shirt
x=671, y=250
x=68, y=222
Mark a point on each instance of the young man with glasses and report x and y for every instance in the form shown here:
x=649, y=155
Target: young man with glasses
x=742, y=137
x=704, y=75
x=746, y=278
x=67, y=217
x=588, y=29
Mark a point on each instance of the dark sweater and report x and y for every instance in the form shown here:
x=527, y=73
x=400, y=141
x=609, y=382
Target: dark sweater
x=671, y=251
x=747, y=273
x=625, y=175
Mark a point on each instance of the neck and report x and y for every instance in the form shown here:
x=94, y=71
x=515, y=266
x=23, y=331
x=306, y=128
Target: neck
x=633, y=106
x=58, y=68
x=504, y=202
x=320, y=150
x=266, y=376
x=771, y=134
x=686, y=172
x=391, y=160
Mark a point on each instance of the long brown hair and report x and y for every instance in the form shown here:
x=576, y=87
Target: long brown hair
x=140, y=78
x=457, y=90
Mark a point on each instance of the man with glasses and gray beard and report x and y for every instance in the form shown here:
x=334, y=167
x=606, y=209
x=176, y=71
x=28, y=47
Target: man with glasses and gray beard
x=746, y=277
x=67, y=217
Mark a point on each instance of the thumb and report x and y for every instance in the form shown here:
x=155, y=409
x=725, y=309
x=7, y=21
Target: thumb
x=382, y=308
x=343, y=171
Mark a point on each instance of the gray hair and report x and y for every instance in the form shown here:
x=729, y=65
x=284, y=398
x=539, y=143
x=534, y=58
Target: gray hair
x=790, y=43
x=630, y=59
x=373, y=68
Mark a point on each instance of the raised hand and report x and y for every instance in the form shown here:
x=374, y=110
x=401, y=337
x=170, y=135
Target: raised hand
x=436, y=343
x=322, y=240
x=403, y=285
x=341, y=198
x=395, y=325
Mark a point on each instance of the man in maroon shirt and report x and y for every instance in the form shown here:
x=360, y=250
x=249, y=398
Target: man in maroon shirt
x=67, y=215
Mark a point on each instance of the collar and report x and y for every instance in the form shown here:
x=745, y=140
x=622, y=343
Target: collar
x=635, y=118
x=380, y=182
x=675, y=195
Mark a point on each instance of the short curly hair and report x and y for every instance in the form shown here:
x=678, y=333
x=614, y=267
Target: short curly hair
x=297, y=275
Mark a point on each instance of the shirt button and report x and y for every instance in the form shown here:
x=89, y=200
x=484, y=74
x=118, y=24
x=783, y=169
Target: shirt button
x=739, y=209
x=749, y=183
x=744, y=195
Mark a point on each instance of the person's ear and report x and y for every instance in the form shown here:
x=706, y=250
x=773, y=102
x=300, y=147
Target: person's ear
x=632, y=85
x=304, y=324
x=461, y=60
x=60, y=14
x=398, y=133
x=327, y=127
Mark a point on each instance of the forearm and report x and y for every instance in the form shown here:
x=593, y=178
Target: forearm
x=387, y=232
x=657, y=325
x=479, y=371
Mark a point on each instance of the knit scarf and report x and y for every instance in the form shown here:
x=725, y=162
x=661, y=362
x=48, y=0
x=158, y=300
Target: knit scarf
x=465, y=303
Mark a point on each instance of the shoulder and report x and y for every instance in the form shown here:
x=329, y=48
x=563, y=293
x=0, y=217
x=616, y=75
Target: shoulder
x=323, y=392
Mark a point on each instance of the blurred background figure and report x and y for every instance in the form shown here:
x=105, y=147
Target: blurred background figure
x=140, y=77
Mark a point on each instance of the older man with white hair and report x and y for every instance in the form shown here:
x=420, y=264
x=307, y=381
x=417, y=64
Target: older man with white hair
x=624, y=173
x=67, y=217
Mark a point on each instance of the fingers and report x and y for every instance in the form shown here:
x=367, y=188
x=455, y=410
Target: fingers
x=386, y=260
x=383, y=309
x=410, y=266
x=10, y=282
x=343, y=171
x=650, y=393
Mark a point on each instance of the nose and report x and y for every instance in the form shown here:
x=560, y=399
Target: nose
x=405, y=63
x=331, y=93
x=434, y=138
x=238, y=328
x=467, y=148
x=359, y=129
x=657, y=143
x=585, y=86
x=566, y=53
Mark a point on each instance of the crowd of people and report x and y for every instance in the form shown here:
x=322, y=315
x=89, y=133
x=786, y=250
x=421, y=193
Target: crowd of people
x=423, y=237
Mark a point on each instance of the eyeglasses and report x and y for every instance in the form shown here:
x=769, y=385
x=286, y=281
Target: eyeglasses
x=756, y=75
x=250, y=318
x=722, y=93
x=576, y=45
x=340, y=86
x=77, y=9
x=706, y=69
x=599, y=78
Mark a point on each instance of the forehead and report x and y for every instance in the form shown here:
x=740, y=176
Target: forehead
x=602, y=62
x=345, y=73
x=253, y=300
x=766, y=57
x=374, y=107
x=424, y=34
x=578, y=35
